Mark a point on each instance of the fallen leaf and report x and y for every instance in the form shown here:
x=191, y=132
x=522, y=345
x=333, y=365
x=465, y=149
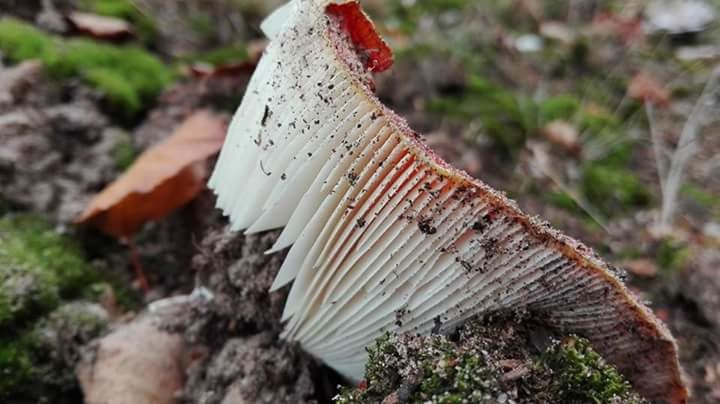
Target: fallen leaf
x=162, y=179
x=644, y=87
x=563, y=134
x=137, y=363
x=641, y=267
x=557, y=31
x=99, y=26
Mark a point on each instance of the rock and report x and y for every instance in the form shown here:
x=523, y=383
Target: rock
x=135, y=364
x=678, y=16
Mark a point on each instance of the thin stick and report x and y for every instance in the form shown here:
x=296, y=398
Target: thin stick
x=658, y=149
x=686, y=148
x=137, y=265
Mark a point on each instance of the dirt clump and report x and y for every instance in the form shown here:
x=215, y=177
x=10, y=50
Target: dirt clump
x=239, y=327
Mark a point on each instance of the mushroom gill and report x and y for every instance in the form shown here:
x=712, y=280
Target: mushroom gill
x=386, y=236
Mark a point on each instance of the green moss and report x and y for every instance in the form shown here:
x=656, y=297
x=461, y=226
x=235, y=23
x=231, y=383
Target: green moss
x=506, y=117
x=433, y=369
x=228, y=54
x=202, y=25
x=128, y=76
x=39, y=363
x=444, y=374
x=16, y=368
x=144, y=26
x=124, y=152
x=563, y=200
x=707, y=200
x=671, y=255
x=559, y=107
x=38, y=267
x=612, y=189
x=581, y=375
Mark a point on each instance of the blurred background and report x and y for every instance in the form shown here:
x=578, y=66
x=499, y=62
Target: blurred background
x=601, y=117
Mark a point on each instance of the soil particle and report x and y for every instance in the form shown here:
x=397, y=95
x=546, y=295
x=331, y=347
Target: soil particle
x=245, y=361
x=258, y=369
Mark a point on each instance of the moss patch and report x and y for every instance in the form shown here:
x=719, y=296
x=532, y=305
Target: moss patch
x=614, y=190
x=224, y=55
x=37, y=268
x=40, y=332
x=127, y=76
x=124, y=153
x=578, y=374
x=473, y=368
x=38, y=365
x=506, y=117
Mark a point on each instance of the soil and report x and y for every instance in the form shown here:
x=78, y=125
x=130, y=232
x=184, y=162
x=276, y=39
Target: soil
x=238, y=327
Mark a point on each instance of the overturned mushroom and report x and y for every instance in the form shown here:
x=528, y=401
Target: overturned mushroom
x=385, y=235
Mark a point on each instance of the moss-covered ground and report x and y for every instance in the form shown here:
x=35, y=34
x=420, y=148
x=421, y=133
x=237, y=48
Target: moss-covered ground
x=474, y=369
x=128, y=76
x=47, y=290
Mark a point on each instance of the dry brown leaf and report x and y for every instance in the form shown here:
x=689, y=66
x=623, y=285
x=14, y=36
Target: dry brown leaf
x=644, y=87
x=642, y=267
x=100, y=26
x=162, y=179
x=557, y=31
x=136, y=364
x=563, y=134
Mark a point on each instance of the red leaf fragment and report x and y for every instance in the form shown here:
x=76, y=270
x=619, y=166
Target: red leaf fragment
x=369, y=44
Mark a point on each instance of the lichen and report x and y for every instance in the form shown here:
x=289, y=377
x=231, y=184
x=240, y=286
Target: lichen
x=127, y=76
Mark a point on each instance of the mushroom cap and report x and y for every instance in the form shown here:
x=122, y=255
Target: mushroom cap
x=384, y=234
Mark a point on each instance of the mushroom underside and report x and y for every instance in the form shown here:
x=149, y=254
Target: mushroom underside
x=385, y=236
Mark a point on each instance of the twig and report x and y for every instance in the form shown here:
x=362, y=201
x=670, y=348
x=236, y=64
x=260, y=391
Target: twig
x=658, y=149
x=686, y=148
x=137, y=265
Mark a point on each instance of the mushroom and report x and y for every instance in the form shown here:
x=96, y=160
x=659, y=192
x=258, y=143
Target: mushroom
x=386, y=236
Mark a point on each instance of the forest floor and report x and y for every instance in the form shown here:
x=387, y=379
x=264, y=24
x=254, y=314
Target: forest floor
x=575, y=109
